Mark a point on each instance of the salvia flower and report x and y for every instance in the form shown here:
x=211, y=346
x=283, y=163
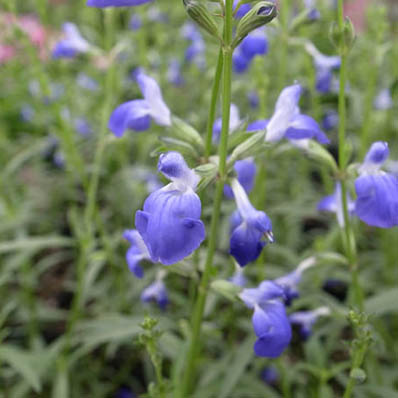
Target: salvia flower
x=288, y=122
x=255, y=43
x=270, y=323
x=72, y=44
x=313, y=12
x=246, y=173
x=306, y=319
x=136, y=253
x=383, y=100
x=334, y=203
x=330, y=120
x=156, y=291
x=234, y=122
x=324, y=66
x=137, y=114
x=252, y=230
x=242, y=10
x=174, y=75
x=289, y=282
x=270, y=375
x=377, y=191
x=238, y=278
x=116, y=3
x=170, y=221
x=195, y=53
x=87, y=82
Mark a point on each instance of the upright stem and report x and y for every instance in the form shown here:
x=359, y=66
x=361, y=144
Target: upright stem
x=213, y=103
x=349, y=238
x=194, y=348
x=284, y=18
x=99, y=153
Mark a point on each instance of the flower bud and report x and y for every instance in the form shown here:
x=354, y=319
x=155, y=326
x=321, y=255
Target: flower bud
x=343, y=40
x=261, y=14
x=201, y=15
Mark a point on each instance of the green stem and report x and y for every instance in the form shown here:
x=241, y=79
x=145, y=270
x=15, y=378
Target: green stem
x=213, y=103
x=284, y=18
x=89, y=213
x=348, y=235
x=359, y=356
x=194, y=348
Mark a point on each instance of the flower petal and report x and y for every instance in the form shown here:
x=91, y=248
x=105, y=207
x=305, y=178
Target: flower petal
x=115, y=3
x=132, y=115
x=302, y=127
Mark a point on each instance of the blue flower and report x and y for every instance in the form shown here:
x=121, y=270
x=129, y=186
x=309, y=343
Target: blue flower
x=306, y=319
x=87, y=82
x=254, y=99
x=255, y=43
x=27, y=113
x=383, y=100
x=324, y=66
x=290, y=281
x=270, y=375
x=257, y=125
x=195, y=53
x=246, y=173
x=174, y=75
x=156, y=291
x=137, y=114
x=288, y=122
x=115, y=3
x=330, y=120
x=136, y=253
x=234, y=122
x=72, y=44
x=270, y=322
x=243, y=9
x=135, y=22
x=170, y=221
x=83, y=127
x=334, y=204
x=377, y=191
x=313, y=12
x=247, y=241
x=238, y=278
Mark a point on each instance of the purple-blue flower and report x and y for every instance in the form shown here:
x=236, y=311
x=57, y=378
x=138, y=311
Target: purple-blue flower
x=156, y=291
x=135, y=22
x=288, y=122
x=116, y=3
x=253, y=228
x=377, y=191
x=234, y=122
x=137, y=114
x=87, y=82
x=270, y=322
x=243, y=9
x=306, y=319
x=195, y=53
x=270, y=375
x=254, y=99
x=246, y=173
x=313, y=12
x=257, y=125
x=83, y=127
x=383, y=100
x=324, y=66
x=330, y=120
x=136, y=253
x=290, y=281
x=170, y=221
x=72, y=44
x=255, y=43
x=238, y=278
x=334, y=203
x=174, y=75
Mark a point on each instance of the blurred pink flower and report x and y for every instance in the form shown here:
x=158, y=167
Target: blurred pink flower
x=356, y=11
x=6, y=53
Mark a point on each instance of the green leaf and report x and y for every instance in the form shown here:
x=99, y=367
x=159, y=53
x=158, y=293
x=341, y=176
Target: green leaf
x=247, y=148
x=185, y=132
x=383, y=302
x=181, y=146
x=61, y=386
x=226, y=289
x=238, y=365
x=36, y=243
x=22, y=363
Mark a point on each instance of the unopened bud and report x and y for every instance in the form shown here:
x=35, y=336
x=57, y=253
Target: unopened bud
x=261, y=14
x=201, y=15
x=343, y=40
